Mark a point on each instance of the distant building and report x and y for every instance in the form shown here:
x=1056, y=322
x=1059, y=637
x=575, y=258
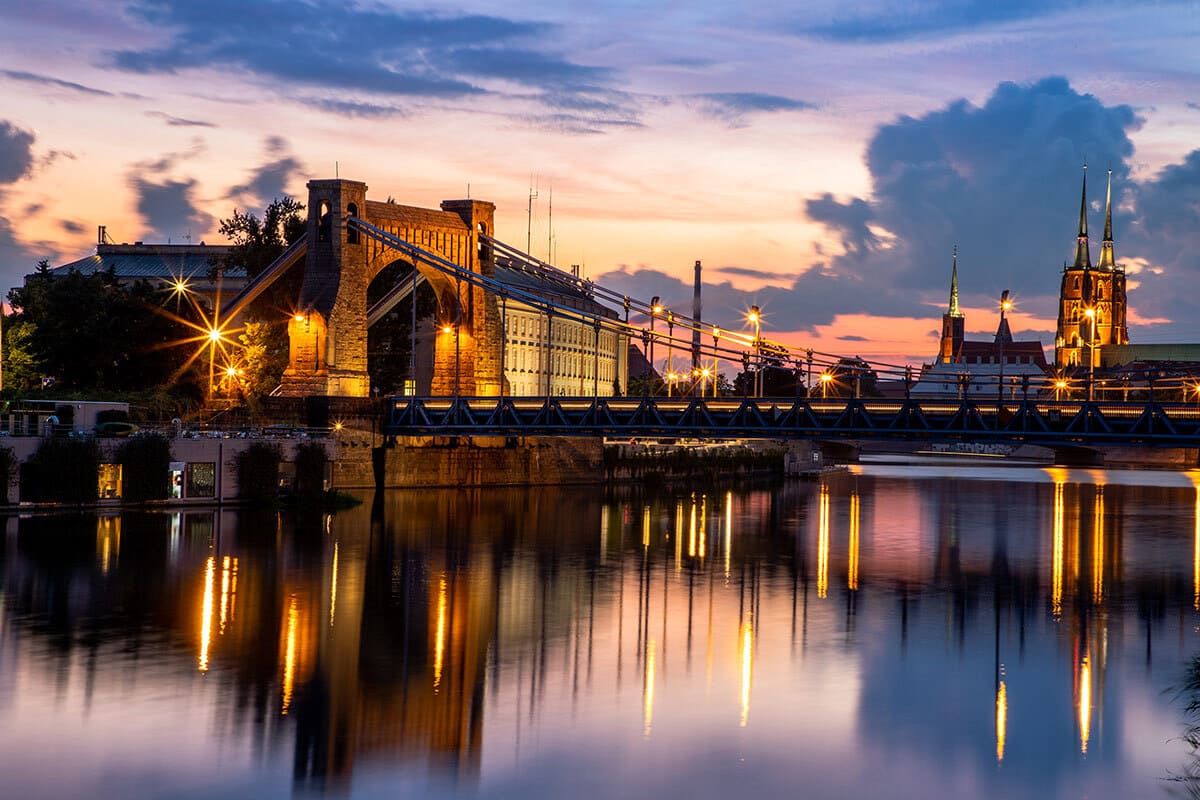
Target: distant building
x=969, y=368
x=199, y=265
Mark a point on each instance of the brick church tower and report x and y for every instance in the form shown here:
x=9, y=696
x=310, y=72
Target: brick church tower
x=1091, y=300
x=953, y=322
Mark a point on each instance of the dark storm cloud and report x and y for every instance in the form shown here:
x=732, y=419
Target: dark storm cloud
x=16, y=152
x=733, y=107
x=168, y=209
x=1001, y=180
x=46, y=80
x=321, y=43
x=270, y=180
x=179, y=122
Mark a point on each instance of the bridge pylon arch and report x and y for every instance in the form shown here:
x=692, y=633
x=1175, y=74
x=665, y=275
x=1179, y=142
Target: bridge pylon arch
x=328, y=333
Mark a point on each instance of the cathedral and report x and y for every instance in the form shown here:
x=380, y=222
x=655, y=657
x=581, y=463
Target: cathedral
x=1091, y=299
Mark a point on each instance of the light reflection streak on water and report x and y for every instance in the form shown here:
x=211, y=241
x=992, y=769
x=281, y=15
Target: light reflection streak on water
x=333, y=585
x=823, y=543
x=289, y=656
x=678, y=535
x=224, y=593
x=852, y=568
x=604, y=514
x=1085, y=703
x=1056, y=576
x=692, y=531
x=648, y=689
x=1098, y=547
x=1001, y=720
x=747, y=642
x=1196, y=543
x=703, y=526
x=646, y=527
x=206, y=612
x=728, y=530
x=439, y=640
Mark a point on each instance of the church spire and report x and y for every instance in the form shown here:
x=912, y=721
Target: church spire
x=1107, y=262
x=1083, y=256
x=953, y=311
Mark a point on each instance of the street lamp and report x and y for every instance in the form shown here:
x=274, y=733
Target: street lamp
x=755, y=319
x=825, y=380
x=1005, y=305
x=655, y=310
x=1060, y=386
x=1090, y=313
x=716, y=332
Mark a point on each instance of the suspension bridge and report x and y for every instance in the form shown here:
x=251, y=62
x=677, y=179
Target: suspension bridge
x=522, y=348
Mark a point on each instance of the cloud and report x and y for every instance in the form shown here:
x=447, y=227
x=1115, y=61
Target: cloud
x=327, y=44
x=168, y=209
x=71, y=226
x=899, y=21
x=750, y=272
x=16, y=152
x=46, y=80
x=850, y=337
x=734, y=107
x=270, y=180
x=1002, y=180
x=179, y=122
x=355, y=109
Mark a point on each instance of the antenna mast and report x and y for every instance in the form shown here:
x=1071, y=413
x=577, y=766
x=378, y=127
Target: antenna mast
x=550, y=230
x=533, y=195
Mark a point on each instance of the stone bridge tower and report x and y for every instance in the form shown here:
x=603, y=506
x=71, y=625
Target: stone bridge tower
x=328, y=334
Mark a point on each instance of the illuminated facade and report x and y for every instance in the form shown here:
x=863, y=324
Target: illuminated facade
x=1091, y=300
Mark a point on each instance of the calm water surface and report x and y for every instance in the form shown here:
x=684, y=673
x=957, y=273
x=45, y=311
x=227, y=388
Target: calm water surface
x=895, y=632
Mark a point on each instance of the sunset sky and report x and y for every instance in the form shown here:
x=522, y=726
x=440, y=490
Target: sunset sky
x=822, y=161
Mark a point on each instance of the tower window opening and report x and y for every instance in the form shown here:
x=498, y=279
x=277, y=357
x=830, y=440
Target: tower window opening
x=351, y=231
x=324, y=223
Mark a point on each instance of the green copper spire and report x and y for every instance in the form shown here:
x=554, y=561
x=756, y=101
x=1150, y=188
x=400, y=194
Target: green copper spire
x=1107, y=262
x=954, y=312
x=1083, y=256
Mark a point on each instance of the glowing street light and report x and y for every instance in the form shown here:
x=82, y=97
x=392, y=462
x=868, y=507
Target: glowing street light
x=1090, y=313
x=716, y=333
x=826, y=378
x=655, y=310
x=1060, y=386
x=755, y=319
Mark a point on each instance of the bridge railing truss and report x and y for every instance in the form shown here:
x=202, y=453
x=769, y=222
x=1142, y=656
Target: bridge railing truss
x=1046, y=423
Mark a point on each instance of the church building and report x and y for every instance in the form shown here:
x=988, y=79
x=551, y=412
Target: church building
x=1091, y=299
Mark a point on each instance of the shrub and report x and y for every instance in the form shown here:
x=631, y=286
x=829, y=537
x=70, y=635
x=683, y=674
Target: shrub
x=63, y=470
x=310, y=470
x=144, y=462
x=258, y=471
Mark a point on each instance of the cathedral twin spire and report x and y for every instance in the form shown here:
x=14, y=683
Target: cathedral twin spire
x=1083, y=259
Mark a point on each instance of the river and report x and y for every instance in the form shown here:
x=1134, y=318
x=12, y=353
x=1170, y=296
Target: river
x=896, y=631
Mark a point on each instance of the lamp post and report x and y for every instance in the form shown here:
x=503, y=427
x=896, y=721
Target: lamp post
x=1059, y=386
x=655, y=310
x=1005, y=305
x=825, y=380
x=755, y=319
x=716, y=332
x=670, y=350
x=1090, y=313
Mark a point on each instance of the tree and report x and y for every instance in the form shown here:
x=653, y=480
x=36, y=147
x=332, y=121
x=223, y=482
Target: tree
x=90, y=333
x=256, y=243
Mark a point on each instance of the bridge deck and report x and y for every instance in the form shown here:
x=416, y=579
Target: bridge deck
x=1046, y=423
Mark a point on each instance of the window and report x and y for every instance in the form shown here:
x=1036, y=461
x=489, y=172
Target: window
x=202, y=479
x=110, y=482
x=324, y=222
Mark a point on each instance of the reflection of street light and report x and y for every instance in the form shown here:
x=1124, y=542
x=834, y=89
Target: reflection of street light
x=1090, y=313
x=825, y=380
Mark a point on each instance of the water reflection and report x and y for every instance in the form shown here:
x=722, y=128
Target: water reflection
x=470, y=642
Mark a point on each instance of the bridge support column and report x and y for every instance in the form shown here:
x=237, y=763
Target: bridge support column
x=328, y=333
